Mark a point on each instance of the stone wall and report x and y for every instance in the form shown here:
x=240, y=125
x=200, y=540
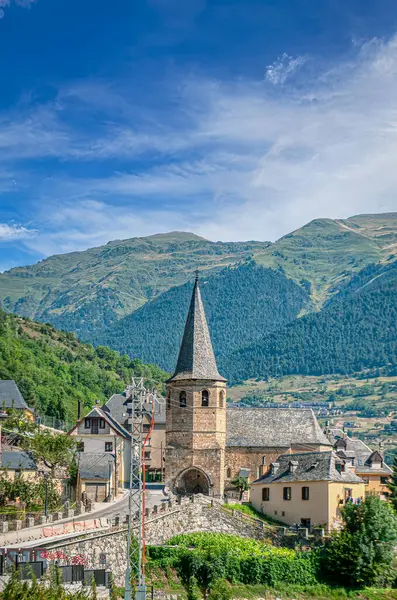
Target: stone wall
x=162, y=523
x=251, y=458
x=237, y=458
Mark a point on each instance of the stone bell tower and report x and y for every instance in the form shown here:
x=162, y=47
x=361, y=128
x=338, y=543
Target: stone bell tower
x=196, y=412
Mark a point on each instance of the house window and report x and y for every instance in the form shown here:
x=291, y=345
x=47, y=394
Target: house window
x=384, y=480
x=108, y=446
x=101, y=424
x=147, y=455
x=146, y=427
x=182, y=399
x=80, y=446
x=305, y=493
x=265, y=494
x=229, y=473
x=87, y=423
x=222, y=399
x=205, y=398
x=287, y=493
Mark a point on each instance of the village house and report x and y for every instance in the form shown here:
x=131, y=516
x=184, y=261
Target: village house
x=104, y=448
x=368, y=464
x=11, y=397
x=307, y=489
x=119, y=406
x=18, y=463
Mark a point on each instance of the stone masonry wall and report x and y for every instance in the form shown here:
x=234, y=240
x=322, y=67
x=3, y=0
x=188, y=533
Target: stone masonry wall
x=237, y=458
x=161, y=525
x=196, y=435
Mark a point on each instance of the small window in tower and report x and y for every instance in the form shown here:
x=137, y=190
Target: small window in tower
x=222, y=399
x=182, y=399
x=205, y=398
x=229, y=473
x=169, y=401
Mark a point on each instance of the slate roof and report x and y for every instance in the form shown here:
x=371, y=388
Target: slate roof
x=96, y=465
x=363, y=455
x=104, y=414
x=17, y=460
x=117, y=406
x=309, y=466
x=11, y=396
x=196, y=358
x=273, y=427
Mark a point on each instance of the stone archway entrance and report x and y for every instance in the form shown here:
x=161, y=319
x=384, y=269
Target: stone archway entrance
x=193, y=481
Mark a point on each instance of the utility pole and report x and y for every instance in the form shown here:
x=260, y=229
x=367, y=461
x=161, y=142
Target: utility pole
x=135, y=586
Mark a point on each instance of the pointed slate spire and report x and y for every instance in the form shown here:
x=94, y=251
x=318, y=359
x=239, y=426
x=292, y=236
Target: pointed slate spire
x=196, y=358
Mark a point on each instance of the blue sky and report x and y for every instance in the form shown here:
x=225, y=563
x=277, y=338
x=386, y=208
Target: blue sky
x=233, y=119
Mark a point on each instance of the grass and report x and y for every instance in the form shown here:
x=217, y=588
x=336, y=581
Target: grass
x=287, y=592
x=250, y=511
x=315, y=592
x=323, y=252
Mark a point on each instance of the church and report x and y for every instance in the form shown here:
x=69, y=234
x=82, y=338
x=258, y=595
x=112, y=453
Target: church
x=207, y=444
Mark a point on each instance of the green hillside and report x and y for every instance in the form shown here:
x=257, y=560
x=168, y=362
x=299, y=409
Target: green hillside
x=356, y=332
x=54, y=370
x=84, y=291
x=327, y=253
x=242, y=304
x=133, y=295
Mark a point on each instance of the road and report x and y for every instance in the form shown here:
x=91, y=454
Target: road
x=23, y=538
x=120, y=507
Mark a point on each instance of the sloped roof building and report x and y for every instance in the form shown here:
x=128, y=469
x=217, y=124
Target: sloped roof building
x=11, y=397
x=208, y=444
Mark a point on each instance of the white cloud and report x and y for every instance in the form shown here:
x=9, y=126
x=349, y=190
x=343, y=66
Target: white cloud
x=88, y=223
x=285, y=66
x=7, y=3
x=11, y=232
x=233, y=160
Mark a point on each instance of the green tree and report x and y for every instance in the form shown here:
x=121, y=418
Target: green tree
x=53, y=449
x=392, y=485
x=361, y=553
x=241, y=483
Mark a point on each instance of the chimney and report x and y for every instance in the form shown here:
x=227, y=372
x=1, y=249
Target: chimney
x=263, y=469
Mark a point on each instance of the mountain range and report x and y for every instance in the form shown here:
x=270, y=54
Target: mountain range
x=321, y=299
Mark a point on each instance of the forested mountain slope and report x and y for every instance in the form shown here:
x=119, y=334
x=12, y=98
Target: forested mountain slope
x=242, y=304
x=54, y=370
x=133, y=294
x=327, y=253
x=85, y=291
x=356, y=331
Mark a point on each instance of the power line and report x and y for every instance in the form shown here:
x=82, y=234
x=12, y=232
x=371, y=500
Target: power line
x=135, y=575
